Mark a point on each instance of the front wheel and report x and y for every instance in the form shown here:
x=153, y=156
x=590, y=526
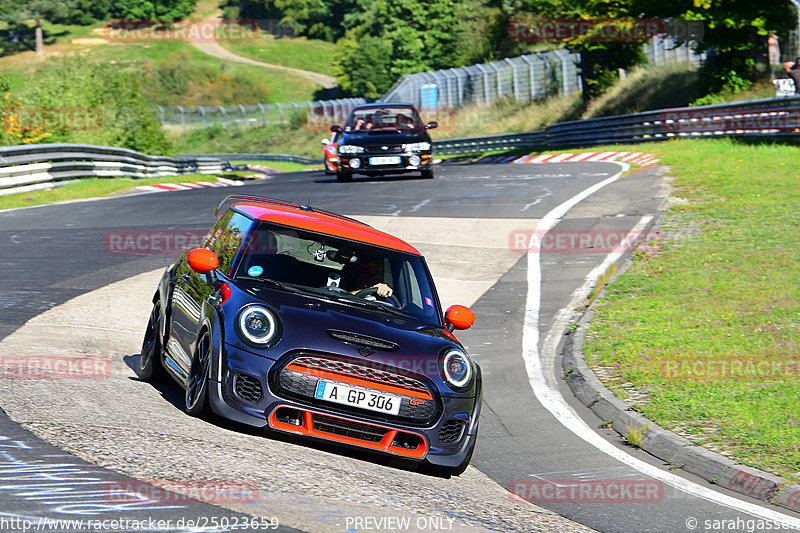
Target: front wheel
x=448, y=471
x=197, y=385
x=343, y=177
x=150, y=368
x=427, y=174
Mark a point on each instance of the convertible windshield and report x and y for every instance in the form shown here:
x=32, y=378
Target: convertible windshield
x=339, y=269
x=384, y=118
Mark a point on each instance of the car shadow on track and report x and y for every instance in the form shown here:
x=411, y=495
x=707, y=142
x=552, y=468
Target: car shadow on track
x=174, y=395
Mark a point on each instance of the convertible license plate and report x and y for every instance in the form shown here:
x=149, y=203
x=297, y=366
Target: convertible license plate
x=375, y=401
x=385, y=160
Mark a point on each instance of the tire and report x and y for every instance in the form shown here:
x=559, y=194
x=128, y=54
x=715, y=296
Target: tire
x=448, y=471
x=150, y=367
x=196, y=394
x=343, y=177
x=427, y=174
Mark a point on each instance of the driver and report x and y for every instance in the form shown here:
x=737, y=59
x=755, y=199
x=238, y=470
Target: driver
x=365, y=275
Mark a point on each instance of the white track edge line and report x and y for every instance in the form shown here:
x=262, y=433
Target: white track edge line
x=551, y=398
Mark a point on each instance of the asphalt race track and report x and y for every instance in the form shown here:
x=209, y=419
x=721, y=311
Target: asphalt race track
x=66, y=291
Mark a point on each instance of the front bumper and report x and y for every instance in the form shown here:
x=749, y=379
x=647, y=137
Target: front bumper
x=365, y=163
x=246, y=394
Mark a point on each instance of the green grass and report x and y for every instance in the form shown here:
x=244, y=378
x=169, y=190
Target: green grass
x=93, y=188
x=281, y=166
x=190, y=77
x=274, y=139
x=722, y=290
x=301, y=53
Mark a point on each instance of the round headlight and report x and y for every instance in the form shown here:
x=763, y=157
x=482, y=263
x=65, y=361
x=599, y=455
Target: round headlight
x=457, y=369
x=355, y=163
x=414, y=160
x=257, y=325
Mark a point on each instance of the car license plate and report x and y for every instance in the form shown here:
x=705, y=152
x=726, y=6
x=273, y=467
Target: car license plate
x=385, y=160
x=375, y=401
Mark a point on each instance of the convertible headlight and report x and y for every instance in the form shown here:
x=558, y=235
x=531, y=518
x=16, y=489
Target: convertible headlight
x=456, y=368
x=258, y=325
x=351, y=149
x=417, y=147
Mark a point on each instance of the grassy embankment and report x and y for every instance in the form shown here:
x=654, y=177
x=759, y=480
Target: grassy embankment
x=644, y=89
x=707, y=328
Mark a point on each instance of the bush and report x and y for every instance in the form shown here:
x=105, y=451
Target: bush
x=112, y=98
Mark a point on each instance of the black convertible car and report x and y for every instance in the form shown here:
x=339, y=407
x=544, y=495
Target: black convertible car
x=384, y=139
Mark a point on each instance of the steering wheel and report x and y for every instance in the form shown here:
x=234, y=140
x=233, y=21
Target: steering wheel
x=373, y=291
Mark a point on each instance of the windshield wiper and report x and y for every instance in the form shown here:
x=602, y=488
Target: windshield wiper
x=373, y=304
x=273, y=282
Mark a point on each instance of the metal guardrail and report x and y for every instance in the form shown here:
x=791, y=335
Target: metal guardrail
x=286, y=158
x=39, y=166
x=765, y=118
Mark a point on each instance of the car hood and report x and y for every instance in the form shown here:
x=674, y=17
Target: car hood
x=322, y=325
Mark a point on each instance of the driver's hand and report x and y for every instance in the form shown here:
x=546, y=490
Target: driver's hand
x=384, y=291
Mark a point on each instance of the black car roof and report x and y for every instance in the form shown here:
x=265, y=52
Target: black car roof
x=386, y=104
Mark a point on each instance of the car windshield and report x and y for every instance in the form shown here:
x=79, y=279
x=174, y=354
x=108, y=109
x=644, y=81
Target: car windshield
x=389, y=118
x=339, y=269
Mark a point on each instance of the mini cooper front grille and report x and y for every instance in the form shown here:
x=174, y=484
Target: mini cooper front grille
x=364, y=340
x=299, y=378
x=451, y=431
x=247, y=388
x=360, y=371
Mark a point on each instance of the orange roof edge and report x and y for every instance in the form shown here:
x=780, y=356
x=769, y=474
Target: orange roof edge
x=327, y=223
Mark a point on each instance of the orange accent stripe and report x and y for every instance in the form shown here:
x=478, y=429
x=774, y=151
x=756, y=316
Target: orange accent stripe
x=385, y=445
x=414, y=393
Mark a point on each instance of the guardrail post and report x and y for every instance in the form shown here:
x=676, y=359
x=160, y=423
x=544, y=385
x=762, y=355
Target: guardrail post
x=183, y=120
x=280, y=111
x=244, y=114
x=531, y=76
x=203, y=114
x=514, y=78
x=161, y=110
x=222, y=110
x=263, y=115
x=485, y=84
x=498, y=79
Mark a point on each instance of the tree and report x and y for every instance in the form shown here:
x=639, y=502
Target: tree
x=386, y=40
x=735, y=33
x=95, y=104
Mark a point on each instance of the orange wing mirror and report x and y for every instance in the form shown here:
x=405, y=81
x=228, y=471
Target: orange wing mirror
x=202, y=260
x=459, y=317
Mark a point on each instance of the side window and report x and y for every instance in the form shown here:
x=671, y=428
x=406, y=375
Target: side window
x=225, y=238
x=414, y=295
